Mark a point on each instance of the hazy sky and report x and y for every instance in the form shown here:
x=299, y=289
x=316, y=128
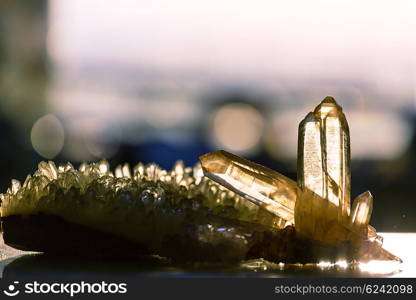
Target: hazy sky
x=373, y=41
x=366, y=48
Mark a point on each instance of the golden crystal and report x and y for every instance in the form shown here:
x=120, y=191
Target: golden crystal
x=323, y=200
x=324, y=156
x=267, y=188
x=319, y=203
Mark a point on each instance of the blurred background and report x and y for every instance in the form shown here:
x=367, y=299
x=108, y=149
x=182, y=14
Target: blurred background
x=158, y=81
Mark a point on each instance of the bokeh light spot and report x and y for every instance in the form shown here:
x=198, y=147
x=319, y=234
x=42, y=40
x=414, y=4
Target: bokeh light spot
x=91, y=139
x=237, y=127
x=47, y=136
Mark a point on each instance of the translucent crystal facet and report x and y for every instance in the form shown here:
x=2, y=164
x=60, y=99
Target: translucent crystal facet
x=319, y=204
x=260, y=185
x=324, y=155
x=323, y=171
x=118, y=172
x=361, y=212
x=126, y=170
x=132, y=203
x=15, y=186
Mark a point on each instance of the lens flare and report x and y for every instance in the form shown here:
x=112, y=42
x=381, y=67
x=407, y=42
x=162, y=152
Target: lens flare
x=237, y=127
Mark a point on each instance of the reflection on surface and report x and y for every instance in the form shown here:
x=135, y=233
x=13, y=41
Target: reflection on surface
x=40, y=265
x=380, y=267
x=32, y=265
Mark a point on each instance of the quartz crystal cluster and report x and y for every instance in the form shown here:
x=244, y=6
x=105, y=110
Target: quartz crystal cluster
x=319, y=203
x=178, y=214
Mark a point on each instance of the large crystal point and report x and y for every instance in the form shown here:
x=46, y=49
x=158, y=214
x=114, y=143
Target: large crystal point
x=262, y=186
x=324, y=155
x=323, y=200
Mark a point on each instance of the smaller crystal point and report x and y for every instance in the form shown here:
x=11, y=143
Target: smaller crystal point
x=198, y=173
x=65, y=168
x=328, y=108
x=103, y=166
x=126, y=170
x=152, y=171
x=48, y=169
x=179, y=167
x=179, y=171
x=15, y=186
x=118, y=172
x=373, y=251
x=260, y=185
x=361, y=211
x=83, y=167
x=323, y=174
x=27, y=181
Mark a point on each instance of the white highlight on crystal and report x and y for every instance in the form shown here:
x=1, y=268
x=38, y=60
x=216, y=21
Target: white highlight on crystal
x=380, y=266
x=342, y=264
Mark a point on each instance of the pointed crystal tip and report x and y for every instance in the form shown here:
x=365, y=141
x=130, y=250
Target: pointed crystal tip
x=386, y=255
x=329, y=99
x=327, y=107
x=258, y=184
x=366, y=194
x=215, y=162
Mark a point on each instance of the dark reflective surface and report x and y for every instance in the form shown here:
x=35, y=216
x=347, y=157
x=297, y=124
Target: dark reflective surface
x=44, y=266
x=15, y=263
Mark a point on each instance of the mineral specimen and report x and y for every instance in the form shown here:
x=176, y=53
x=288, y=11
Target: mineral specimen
x=186, y=216
x=320, y=208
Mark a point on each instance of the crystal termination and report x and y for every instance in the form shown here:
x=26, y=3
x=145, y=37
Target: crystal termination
x=320, y=207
